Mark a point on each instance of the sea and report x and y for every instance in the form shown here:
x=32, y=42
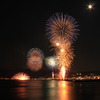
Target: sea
x=49, y=90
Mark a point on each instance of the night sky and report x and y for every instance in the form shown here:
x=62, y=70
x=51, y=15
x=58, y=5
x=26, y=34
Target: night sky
x=23, y=26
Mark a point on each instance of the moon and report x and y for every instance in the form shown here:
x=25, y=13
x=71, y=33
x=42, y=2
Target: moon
x=90, y=6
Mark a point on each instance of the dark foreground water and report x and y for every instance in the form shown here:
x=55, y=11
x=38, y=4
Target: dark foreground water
x=49, y=90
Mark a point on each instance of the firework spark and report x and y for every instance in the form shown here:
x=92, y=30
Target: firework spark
x=21, y=76
x=35, y=59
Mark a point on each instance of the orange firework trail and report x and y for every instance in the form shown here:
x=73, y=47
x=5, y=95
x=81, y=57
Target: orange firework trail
x=61, y=30
x=63, y=72
x=65, y=55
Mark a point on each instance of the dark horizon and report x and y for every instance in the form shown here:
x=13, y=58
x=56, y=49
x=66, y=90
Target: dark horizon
x=45, y=73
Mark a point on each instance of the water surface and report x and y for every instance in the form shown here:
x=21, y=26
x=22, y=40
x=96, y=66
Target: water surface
x=49, y=90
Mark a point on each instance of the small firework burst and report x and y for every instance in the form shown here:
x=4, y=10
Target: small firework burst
x=52, y=62
x=35, y=59
x=21, y=76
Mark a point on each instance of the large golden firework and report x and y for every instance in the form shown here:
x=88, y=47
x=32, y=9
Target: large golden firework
x=61, y=31
x=63, y=26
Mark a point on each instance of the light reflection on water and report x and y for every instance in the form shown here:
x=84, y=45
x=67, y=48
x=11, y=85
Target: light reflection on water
x=46, y=90
x=66, y=91
x=55, y=90
x=61, y=90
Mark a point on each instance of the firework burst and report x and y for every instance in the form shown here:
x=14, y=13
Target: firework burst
x=35, y=59
x=61, y=25
x=61, y=31
x=52, y=62
x=21, y=76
